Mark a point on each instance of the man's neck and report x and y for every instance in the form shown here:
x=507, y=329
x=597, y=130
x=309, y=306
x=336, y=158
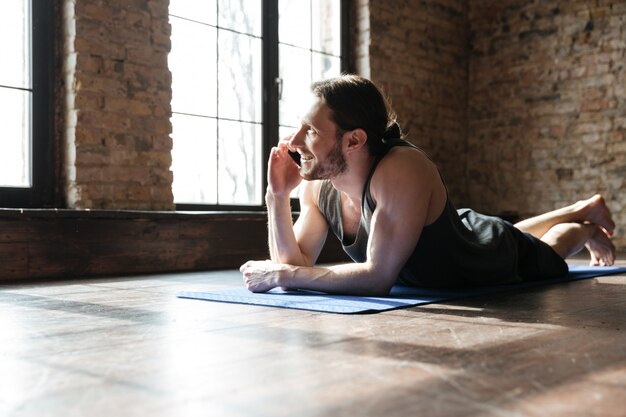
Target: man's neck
x=352, y=181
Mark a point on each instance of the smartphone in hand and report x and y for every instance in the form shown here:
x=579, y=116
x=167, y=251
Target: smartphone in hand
x=295, y=156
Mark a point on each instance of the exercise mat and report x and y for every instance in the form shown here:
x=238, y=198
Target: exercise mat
x=399, y=296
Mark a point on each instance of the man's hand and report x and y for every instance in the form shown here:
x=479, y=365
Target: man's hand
x=262, y=276
x=283, y=174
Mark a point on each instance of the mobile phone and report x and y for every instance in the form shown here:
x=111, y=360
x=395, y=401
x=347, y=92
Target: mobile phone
x=295, y=156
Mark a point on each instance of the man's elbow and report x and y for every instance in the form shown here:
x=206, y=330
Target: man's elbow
x=381, y=284
x=295, y=262
x=373, y=293
x=299, y=260
x=378, y=289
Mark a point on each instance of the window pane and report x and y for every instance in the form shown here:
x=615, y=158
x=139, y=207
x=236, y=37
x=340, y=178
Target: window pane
x=284, y=131
x=15, y=43
x=239, y=160
x=294, y=24
x=295, y=71
x=15, y=139
x=240, y=79
x=194, y=159
x=204, y=11
x=192, y=61
x=242, y=16
x=326, y=18
x=217, y=72
x=325, y=66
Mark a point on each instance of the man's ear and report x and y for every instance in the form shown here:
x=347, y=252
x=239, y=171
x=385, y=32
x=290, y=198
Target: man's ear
x=357, y=138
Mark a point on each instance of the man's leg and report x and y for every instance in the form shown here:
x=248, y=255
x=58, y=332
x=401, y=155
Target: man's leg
x=568, y=239
x=592, y=210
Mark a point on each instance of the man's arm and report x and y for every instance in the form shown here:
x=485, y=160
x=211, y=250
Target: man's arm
x=394, y=231
x=302, y=242
x=298, y=244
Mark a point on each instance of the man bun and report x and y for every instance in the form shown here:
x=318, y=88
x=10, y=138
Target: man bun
x=393, y=131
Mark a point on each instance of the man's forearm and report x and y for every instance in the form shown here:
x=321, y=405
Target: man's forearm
x=282, y=242
x=353, y=278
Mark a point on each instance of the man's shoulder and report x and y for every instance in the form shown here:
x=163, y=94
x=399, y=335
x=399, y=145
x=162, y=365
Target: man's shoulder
x=405, y=158
x=310, y=190
x=312, y=185
x=405, y=169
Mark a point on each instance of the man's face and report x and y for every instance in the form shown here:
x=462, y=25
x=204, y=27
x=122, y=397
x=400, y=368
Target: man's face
x=317, y=142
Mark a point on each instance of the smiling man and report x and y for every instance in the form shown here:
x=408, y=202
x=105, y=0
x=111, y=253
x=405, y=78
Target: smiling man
x=387, y=203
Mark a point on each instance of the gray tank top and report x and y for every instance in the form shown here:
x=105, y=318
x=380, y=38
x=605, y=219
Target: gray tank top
x=460, y=248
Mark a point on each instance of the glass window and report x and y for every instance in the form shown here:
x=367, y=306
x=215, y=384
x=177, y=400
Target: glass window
x=216, y=63
x=26, y=74
x=192, y=63
x=222, y=74
x=309, y=50
x=15, y=94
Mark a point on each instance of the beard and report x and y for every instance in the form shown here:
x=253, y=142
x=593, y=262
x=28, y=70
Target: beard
x=333, y=165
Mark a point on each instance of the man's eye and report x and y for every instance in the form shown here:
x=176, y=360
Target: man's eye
x=311, y=132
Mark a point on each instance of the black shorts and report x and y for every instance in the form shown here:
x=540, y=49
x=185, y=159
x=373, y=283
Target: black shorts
x=537, y=260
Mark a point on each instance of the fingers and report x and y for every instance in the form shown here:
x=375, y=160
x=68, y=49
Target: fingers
x=284, y=147
x=287, y=139
x=257, y=275
x=255, y=285
x=251, y=264
x=245, y=270
x=281, y=154
x=275, y=156
x=243, y=267
x=278, y=151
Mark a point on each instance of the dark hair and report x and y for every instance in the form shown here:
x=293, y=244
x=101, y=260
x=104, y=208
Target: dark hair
x=356, y=102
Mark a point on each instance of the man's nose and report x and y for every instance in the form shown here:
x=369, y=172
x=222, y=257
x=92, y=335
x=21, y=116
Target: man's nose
x=297, y=139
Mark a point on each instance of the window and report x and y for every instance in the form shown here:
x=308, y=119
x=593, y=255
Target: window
x=309, y=50
x=238, y=69
x=26, y=167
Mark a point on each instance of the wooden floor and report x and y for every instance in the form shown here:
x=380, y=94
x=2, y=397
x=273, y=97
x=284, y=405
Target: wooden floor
x=129, y=347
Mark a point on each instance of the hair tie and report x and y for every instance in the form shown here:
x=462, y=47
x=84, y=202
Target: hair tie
x=393, y=131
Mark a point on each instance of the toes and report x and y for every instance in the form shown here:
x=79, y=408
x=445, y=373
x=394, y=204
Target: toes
x=594, y=260
x=610, y=259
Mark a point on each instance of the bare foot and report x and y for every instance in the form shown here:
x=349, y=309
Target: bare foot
x=594, y=210
x=601, y=249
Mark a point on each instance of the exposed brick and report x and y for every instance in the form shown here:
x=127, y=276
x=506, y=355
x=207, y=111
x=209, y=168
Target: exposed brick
x=417, y=51
x=569, y=69
x=118, y=111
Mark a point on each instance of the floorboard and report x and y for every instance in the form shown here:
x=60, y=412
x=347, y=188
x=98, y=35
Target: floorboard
x=127, y=346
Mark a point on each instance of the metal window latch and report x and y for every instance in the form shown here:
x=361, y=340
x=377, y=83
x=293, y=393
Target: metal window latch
x=278, y=82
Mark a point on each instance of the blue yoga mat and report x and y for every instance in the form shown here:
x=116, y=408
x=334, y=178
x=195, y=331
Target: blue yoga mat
x=399, y=297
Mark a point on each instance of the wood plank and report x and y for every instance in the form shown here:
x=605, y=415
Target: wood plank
x=13, y=259
x=128, y=347
x=14, y=230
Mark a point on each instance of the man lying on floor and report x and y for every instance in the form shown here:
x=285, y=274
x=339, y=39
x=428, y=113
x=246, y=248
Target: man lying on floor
x=387, y=203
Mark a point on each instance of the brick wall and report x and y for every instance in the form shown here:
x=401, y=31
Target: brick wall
x=360, y=37
x=117, y=119
x=522, y=103
x=417, y=51
x=547, y=105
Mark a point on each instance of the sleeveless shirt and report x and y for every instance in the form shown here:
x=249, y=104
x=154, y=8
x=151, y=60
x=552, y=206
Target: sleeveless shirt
x=461, y=248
